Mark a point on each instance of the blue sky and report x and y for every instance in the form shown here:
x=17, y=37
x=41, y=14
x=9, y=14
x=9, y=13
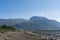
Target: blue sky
x=28, y=8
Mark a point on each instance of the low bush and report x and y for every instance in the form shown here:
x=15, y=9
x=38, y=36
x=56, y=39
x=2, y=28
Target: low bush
x=4, y=28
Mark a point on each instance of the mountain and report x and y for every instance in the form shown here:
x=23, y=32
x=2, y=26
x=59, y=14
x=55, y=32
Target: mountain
x=36, y=18
x=34, y=23
x=39, y=23
x=11, y=21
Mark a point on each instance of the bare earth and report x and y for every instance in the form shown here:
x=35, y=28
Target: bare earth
x=18, y=36
x=24, y=35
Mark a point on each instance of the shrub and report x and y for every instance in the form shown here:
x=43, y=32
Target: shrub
x=4, y=28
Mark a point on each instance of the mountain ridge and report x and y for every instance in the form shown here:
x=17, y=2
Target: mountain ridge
x=34, y=23
x=40, y=23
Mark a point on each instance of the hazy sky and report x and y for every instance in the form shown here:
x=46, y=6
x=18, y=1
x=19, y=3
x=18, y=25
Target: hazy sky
x=28, y=8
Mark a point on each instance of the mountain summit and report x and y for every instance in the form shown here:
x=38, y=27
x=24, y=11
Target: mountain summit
x=37, y=18
x=39, y=23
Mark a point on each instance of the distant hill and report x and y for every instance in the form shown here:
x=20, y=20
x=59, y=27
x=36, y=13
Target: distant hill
x=34, y=23
x=11, y=21
x=39, y=23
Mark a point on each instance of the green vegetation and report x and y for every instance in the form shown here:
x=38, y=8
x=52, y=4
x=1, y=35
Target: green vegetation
x=5, y=28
